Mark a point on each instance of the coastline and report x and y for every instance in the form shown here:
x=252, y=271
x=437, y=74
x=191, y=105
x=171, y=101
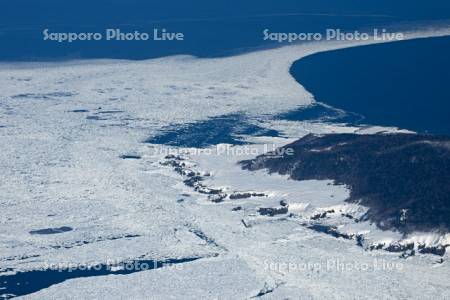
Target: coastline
x=66, y=132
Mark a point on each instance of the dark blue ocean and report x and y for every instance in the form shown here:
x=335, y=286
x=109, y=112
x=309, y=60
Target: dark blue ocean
x=211, y=28
x=404, y=84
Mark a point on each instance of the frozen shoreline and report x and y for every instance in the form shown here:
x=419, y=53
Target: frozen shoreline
x=64, y=132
